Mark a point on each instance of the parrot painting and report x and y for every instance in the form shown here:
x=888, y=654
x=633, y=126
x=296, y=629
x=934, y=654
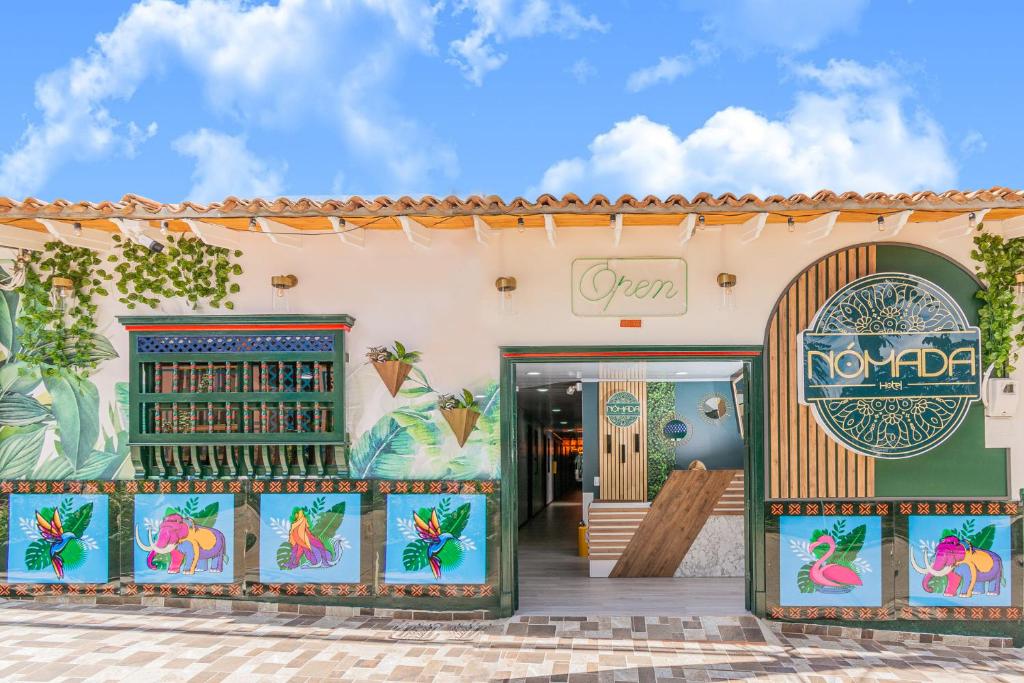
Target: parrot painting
x=431, y=533
x=53, y=533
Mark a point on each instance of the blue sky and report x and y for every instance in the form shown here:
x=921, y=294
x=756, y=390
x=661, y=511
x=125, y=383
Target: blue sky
x=207, y=98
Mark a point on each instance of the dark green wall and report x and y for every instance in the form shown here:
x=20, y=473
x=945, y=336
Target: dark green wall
x=962, y=466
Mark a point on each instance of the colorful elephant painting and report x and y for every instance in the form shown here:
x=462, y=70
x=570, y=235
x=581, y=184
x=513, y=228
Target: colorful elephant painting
x=191, y=546
x=965, y=567
x=184, y=538
x=960, y=560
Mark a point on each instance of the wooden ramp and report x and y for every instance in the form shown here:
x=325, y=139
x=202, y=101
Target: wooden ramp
x=675, y=518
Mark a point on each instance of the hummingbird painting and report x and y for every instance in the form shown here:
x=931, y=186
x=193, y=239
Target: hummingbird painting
x=431, y=533
x=53, y=533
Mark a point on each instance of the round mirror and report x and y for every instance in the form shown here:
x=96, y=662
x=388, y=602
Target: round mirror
x=714, y=407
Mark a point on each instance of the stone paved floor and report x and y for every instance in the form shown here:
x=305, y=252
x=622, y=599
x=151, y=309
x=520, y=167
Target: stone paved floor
x=41, y=642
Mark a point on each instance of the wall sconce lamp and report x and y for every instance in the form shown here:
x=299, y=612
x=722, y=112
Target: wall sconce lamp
x=506, y=286
x=281, y=285
x=60, y=291
x=791, y=224
x=881, y=223
x=727, y=287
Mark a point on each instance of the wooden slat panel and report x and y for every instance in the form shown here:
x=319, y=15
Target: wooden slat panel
x=626, y=481
x=804, y=462
x=820, y=438
x=676, y=516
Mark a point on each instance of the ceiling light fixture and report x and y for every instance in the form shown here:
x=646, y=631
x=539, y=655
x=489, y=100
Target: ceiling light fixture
x=533, y=373
x=542, y=389
x=556, y=410
x=682, y=372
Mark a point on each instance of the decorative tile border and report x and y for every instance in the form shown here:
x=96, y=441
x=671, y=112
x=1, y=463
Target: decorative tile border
x=40, y=589
x=454, y=487
x=357, y=590
x=85, y=487
x=838, y=507
x=211, y=590
x=311, y=486
x=961, y=613
x=184, y=486
x=451, y=590
x=782, y=613
x=996, y=507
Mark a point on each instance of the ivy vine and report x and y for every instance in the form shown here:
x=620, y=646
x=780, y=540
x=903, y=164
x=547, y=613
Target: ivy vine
x=62, y=337
x=1000, y=316
x=187, y=268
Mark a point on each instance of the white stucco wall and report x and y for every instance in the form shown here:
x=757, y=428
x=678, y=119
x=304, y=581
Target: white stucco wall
x=441, y=300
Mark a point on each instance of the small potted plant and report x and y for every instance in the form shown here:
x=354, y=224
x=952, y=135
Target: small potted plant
x=461, y=413
x=392, y=364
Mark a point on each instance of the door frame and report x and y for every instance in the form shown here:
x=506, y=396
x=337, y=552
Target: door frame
x=753, y=466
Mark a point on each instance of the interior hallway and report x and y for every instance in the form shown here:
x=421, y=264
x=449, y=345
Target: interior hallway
x=553, y=580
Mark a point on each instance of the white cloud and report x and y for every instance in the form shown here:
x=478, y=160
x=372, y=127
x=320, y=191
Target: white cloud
x=973, y=143
x=669, y=69
x=268, y=63
x=666, y=70
x=791, y=26
x=225, y=166
x=845, y=74
x=497, y=21
x=582, y=70
x=858, y=134
x=407, y=150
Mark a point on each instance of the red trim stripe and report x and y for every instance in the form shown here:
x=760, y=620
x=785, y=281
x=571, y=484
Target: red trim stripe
x=255, y=327
x=627, y=354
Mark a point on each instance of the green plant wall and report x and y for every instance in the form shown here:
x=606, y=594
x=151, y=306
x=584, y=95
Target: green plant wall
x=661, y=454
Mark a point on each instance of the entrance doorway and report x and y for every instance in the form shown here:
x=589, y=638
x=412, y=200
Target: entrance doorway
x=648, y=451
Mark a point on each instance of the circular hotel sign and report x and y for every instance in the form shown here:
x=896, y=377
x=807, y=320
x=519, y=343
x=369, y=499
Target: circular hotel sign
x=622, y=409
x=890, y=365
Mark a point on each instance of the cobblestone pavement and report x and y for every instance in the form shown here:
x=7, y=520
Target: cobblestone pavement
x=40, y=642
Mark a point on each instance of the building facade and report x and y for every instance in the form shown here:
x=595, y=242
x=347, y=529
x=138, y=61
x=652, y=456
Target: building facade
x=259, y=454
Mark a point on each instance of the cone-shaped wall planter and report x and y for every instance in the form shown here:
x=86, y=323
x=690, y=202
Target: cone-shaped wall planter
x=462, y=421
x=393, y=374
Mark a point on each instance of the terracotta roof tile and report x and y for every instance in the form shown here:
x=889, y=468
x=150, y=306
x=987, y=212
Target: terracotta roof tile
x=135, y=206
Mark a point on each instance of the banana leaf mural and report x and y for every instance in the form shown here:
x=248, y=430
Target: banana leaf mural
x=50, y=418
x=411, y=441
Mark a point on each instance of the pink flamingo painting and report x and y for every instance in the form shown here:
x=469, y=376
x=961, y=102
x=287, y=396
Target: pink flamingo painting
x=831, y=578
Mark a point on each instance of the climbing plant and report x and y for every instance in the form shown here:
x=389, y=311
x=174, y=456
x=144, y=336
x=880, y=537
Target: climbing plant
x=62, y=336
x=1000, y=316
x=188, y=269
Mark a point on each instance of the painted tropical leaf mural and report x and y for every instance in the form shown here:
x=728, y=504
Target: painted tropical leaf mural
x=384, y=452
x=50, y=420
